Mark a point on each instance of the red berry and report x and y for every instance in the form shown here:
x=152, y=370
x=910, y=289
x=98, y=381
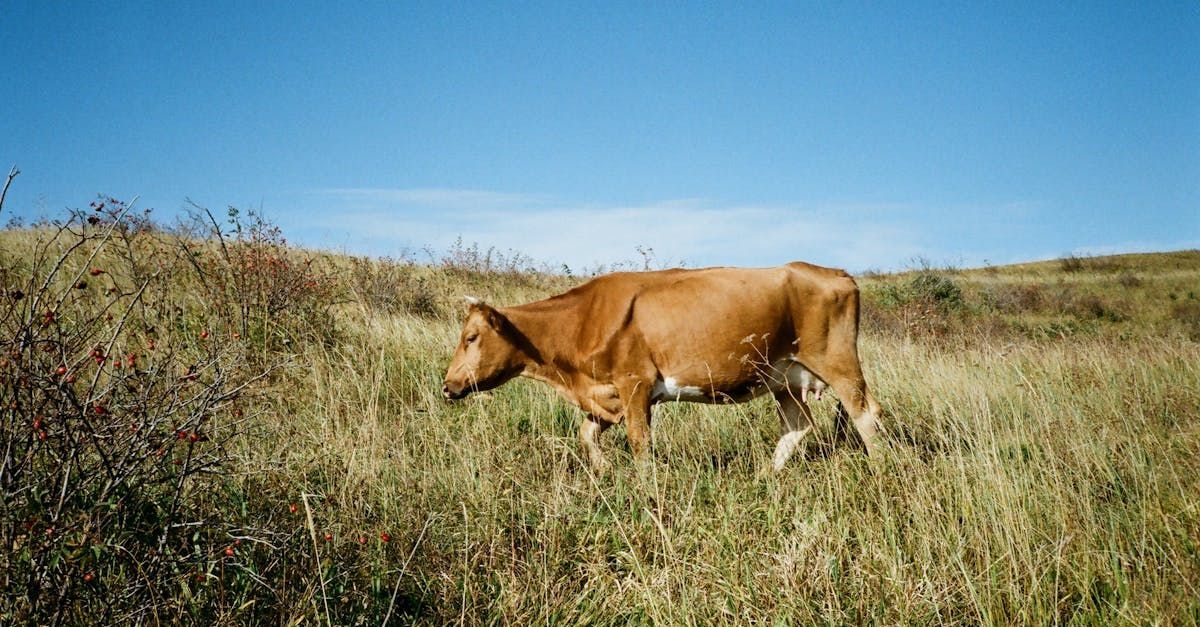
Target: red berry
x=96, y=272
x=195, y=437
x=385, y=536
x=292, y=508
x=182, y=435
x=329, y=537
x=61, y=370
x=204, y=335
x=362, y=539
x=87, y=577
x=228, y=551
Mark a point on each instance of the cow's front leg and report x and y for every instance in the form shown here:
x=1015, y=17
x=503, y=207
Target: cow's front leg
x=636, y=396
x=589, y=440
x=795, y=422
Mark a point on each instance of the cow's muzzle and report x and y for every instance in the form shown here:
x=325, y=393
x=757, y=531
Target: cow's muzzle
x=452, y=394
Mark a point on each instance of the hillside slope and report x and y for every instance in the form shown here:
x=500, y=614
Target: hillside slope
x=245, y=432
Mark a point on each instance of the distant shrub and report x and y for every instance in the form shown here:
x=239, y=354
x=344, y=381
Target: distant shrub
x=1071, y=263
x=1017, y=299
x=1096, y=307
x=472, y=259
x=1078, y=263
x=1129, y=280
x=1186, y=313
x=927, y=288
x=1086, y=306
x=926, y=304
x=936, y=289
x=393, y=287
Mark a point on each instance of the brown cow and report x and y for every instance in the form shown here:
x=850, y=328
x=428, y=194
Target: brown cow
x=622, y=342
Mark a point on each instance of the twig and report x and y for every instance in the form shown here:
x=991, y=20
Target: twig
x=404, y=569
x=12, y=174
x=462, y=616
x=312, y=532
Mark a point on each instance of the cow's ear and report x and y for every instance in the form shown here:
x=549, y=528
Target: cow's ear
x=494, y=318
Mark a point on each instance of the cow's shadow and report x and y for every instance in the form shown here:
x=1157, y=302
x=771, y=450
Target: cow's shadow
x=727, y=458
x=925, y=443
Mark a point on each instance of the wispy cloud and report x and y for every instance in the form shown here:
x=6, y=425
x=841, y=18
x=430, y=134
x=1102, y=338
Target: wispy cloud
x=692, y=231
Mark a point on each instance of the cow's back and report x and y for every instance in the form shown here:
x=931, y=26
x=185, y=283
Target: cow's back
x=721, y=323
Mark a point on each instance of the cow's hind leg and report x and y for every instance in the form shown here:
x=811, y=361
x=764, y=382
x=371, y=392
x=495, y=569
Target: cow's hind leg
x=841, y=424
x=795, y=422
x=861, y=408
x=589, y=440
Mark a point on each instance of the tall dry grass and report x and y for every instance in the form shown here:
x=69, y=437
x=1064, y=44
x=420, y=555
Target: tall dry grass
x=1041, y=468
x=1031, y=483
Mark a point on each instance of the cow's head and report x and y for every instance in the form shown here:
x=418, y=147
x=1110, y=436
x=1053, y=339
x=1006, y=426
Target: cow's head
x=488, y=352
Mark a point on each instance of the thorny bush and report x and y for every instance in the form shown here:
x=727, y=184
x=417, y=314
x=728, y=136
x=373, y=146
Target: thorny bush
x=119, y=394
x=254, y=283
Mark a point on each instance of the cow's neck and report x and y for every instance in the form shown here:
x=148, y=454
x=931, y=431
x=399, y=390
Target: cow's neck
x=543, y=328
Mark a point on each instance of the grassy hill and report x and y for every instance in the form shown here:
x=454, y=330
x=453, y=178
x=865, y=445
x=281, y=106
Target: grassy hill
x=227, y=429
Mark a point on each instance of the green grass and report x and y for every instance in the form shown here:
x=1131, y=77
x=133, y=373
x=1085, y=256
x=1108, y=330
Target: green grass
x=1042, y=467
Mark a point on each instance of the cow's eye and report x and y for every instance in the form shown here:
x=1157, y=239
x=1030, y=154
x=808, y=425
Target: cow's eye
x=472, y=338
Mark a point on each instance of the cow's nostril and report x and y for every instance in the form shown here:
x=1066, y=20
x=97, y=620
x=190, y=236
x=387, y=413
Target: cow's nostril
x=446, y=391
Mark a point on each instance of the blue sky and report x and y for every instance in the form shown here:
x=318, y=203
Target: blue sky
x=856, y=135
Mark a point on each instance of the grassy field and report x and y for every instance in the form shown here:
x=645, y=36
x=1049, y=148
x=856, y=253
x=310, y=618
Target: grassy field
x=1042, y=463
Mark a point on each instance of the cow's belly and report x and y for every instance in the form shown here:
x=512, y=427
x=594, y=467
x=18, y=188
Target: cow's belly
x=785, y=374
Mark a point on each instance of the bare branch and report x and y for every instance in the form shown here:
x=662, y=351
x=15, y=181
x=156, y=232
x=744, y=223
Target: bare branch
x=12, y=174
